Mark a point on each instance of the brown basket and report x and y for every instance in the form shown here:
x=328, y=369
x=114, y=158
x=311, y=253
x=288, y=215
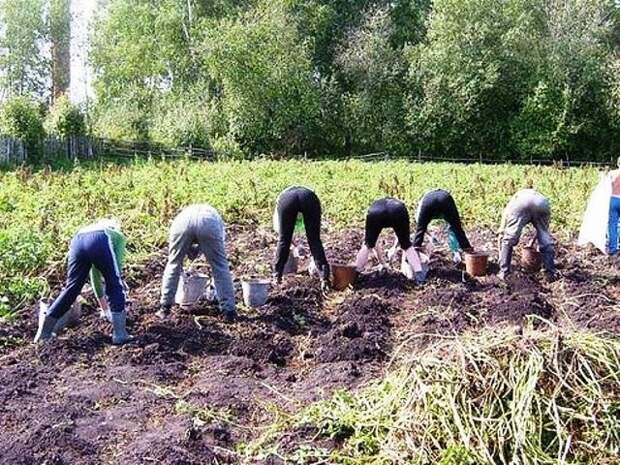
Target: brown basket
x=476, y=263
x=343, y=276
x=531, y=259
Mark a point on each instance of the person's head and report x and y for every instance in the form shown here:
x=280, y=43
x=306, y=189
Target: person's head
x=618, y=163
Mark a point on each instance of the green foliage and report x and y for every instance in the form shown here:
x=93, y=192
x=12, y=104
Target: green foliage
x=23, y=66
x=264, y=73
x=20, y=117
x=373, y=72
x=65, y=119
x=515, y=78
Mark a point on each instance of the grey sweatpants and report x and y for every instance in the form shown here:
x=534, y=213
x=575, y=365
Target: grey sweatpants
x=202, y=225
x=527, y=206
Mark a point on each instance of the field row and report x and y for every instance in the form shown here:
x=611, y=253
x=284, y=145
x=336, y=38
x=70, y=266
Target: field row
x=40, y=210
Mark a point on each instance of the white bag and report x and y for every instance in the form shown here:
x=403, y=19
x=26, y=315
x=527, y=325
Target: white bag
x=595, y=225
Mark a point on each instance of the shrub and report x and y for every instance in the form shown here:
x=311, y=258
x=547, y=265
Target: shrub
x=65, y=119
x=20, y=118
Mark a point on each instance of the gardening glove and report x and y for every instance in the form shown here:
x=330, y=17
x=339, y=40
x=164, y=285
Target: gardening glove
x=312, y=268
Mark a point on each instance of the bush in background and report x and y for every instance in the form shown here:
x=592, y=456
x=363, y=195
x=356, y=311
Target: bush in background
x=65, y=119
x=21, y=118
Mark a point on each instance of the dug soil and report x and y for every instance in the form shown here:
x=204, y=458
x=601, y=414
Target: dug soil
x=192, y=389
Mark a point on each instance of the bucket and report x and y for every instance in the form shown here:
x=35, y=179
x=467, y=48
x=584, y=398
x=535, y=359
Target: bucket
x=291, y=265
x=191, y=288
x=531, y=259
x=407, y=269
x=343, y=276
x=255, y=292
x=476, y=263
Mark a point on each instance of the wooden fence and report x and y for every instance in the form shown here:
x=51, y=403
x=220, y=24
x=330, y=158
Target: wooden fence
x=13, y=151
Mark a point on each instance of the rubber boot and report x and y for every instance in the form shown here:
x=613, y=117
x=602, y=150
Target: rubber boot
x=548, y=259
x=46, y=327
x=230, y=316
x=119, y=332
x=505, y=259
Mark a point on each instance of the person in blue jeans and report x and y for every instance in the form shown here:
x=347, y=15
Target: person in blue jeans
x=614, y=211
x=98, y=250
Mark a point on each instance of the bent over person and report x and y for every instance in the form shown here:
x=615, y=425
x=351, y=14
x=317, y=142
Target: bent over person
x=388, y=213
x=299, y=208
x=198, y=228
x=439, y=204
x=98, y=249
x=526, y=207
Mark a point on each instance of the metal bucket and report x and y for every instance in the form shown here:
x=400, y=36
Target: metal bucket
x=343, y=276
x=255, y=292
x=407, y=270
x=191, y=288
x=476, y=263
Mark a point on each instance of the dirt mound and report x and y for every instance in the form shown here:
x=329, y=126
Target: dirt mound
x=360, y=332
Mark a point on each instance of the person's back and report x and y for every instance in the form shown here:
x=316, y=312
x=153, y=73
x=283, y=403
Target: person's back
x=527, y=199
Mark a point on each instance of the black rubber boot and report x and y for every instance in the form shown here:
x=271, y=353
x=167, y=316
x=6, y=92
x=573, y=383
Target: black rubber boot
x=505, y=259
x=548, y=259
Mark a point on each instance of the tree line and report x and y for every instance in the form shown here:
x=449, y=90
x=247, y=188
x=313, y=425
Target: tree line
x=499, y=79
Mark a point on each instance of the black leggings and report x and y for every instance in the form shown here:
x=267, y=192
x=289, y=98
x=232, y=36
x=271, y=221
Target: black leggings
x=293, y=201
x=439, y=204
x=387, y=213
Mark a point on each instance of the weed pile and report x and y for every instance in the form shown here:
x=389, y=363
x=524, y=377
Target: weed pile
x=542, y=397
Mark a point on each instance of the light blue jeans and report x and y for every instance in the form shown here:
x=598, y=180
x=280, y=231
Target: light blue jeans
x=202, y=225
x=614, y=219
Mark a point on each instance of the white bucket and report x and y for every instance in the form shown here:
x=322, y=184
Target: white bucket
x=255, y=292
x=407, y=270
x=191, y=288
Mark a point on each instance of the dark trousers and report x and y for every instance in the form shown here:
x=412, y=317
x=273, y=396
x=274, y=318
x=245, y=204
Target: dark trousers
x=292, y=202
x=439, y=204
x=87, y=250
x=387, y=213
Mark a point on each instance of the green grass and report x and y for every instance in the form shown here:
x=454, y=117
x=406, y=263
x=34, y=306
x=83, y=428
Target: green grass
x=497, y=398
x=41, y=209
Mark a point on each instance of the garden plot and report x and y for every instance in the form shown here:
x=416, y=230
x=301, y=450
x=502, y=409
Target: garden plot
x=191, y=390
